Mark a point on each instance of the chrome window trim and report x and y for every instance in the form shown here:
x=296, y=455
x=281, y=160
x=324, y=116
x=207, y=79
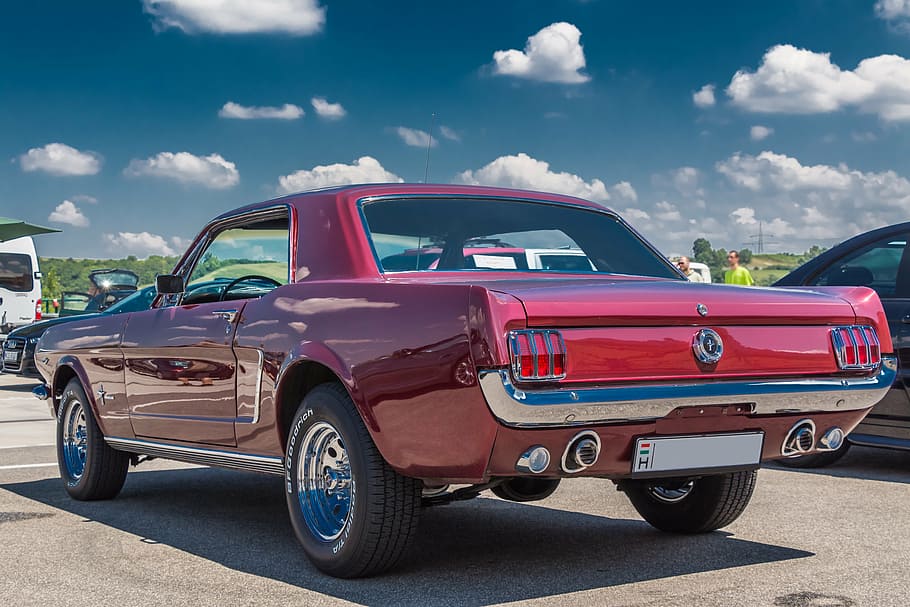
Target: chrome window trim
x=198, y=455
x=361, y=202
x=207, y=236
x=518, y=407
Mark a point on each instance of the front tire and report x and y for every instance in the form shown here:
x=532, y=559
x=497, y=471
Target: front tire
x=89, y=467
x=692, y=506
x=353, y=514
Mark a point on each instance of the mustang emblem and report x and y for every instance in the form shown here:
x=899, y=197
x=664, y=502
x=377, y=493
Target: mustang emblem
x=702, y=309
x=708, y=346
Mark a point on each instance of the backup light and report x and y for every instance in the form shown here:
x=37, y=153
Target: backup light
x=537, y=354
x=856, y=347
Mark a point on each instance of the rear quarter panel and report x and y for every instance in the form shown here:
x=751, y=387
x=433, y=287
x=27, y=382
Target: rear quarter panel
x=404, y=353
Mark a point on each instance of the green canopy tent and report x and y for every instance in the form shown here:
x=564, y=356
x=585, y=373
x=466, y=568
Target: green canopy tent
x=16, y=228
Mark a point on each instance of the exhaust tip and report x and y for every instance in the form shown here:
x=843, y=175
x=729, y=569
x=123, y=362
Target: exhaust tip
x=800, y=439
x=535, y=460
x=581, y=452
x=832, y=439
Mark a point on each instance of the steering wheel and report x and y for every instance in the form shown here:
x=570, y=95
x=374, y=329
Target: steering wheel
x=236, y=281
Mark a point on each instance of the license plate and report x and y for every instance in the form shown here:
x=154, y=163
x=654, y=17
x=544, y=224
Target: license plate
x=11, y=356
x=693, y=453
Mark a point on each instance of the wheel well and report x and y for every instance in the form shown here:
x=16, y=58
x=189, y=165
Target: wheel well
x=296, y=384
x=64, y=375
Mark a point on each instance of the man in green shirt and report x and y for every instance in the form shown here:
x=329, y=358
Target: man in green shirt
x=737, y=275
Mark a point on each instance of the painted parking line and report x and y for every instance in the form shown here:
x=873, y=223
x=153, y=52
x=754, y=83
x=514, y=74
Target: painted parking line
x=17, y=466
x=27, y=446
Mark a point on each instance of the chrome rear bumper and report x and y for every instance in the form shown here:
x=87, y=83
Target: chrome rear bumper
x=564, y=407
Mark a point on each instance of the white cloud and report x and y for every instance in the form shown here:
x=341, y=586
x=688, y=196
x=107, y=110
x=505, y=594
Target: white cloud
x=288, y=111
x=704, y=97
x=68, y=213
x=85, y=198
x=791, y=80
x=892, y=9
x=863, y=136
x=632, y=215
x=554, y=54
x=758, y=132
x=364, y=170
x=211, y=171
x=744, y=215
x=415, y=137
x=624, y=190
x=666, y=212
x=295, y=17
x=777, y=171
x=329, y=111
x=61, y=160
x=522, y=171
x=449, y=133
x=141, y=244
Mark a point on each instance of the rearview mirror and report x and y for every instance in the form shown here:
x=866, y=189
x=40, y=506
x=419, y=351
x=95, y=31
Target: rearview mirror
x=169, y=284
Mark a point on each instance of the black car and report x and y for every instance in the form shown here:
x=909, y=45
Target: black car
x=879, y=259
x=19, y=347
x=107, y=287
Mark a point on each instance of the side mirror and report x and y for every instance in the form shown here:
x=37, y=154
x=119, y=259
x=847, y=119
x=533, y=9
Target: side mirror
x=39, y=276
x=169, y=284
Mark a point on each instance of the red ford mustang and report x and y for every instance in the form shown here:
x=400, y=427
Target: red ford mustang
x=374, y=390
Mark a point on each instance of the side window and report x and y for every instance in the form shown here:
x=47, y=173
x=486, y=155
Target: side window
x=241, y=262
x=874, y=266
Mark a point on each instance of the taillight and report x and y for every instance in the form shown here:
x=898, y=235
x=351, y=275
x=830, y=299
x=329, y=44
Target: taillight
x=856, y=347
x=537, y=354
x=38, y=310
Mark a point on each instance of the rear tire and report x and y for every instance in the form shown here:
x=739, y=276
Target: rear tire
x=815, y=460
x=697, y=506
x=353, y=514
x=89, y=467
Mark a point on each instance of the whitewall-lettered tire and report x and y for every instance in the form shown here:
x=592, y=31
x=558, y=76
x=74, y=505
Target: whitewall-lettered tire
x=353, y=514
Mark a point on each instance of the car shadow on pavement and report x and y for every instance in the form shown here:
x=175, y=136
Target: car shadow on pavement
x=475, y=553
x=24, y=388
x=867, y=463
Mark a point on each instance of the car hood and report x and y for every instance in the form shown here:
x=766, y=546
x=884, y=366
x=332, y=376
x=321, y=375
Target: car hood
x=36, y=329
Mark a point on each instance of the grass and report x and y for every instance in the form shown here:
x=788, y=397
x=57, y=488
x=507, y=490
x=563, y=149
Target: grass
x=270, y=269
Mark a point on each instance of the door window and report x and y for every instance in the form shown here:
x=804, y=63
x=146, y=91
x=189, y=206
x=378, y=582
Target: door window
x=874, y=266
x=241, y=262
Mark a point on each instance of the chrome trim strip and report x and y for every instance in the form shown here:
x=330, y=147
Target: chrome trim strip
x=196, y=455
x=571, y=407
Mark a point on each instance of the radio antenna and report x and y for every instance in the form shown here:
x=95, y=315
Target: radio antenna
x=426, y=168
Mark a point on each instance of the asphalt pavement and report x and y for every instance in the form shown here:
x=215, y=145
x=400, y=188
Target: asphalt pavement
x=190, y=535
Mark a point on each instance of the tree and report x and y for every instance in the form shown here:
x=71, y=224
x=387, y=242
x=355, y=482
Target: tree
x=745, y=256
x=702, y=251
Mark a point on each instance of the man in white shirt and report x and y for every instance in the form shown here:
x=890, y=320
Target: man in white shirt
x=692, y=275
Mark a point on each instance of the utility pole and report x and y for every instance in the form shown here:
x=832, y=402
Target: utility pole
x=759, y=239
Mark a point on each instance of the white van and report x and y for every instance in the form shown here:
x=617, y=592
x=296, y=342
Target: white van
x=20, y=284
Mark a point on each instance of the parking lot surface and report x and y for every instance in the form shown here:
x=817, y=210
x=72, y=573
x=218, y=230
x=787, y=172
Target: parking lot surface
x=190, y=535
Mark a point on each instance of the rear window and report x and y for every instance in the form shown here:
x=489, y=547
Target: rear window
x=16, y=272
x=454, y=234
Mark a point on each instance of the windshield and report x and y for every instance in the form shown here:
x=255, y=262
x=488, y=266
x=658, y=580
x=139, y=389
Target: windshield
x=16, y=272
x=135, y=302
x=499, y=235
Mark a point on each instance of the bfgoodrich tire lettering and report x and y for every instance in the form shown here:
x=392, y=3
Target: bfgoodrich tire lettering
x=696, y=506
x=353, y=514
x=90, y=469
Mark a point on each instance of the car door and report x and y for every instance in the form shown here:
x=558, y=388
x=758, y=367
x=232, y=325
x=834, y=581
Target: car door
x=883, y=265
x=181, y=369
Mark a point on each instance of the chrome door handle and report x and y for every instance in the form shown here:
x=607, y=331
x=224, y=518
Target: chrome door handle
x=227, y=315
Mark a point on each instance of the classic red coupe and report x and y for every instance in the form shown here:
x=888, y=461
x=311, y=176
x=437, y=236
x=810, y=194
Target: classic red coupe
x=377, y=390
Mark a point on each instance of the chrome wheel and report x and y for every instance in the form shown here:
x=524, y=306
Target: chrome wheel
x=325, y=488
x=74, y=439
x=672, y=494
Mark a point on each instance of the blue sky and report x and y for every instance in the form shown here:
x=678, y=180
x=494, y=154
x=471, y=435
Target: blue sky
x=130, y=123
